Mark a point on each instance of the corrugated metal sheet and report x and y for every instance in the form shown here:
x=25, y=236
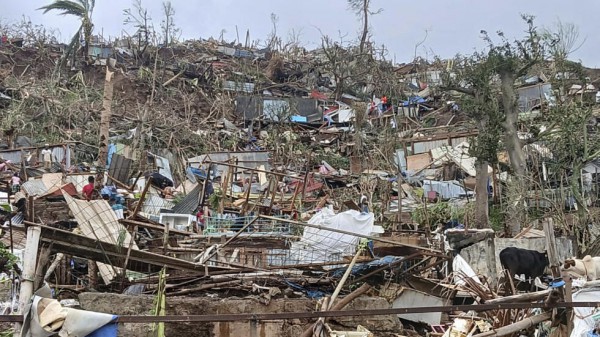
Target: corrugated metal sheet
x=59, y=153
x=250, y=159
x=96, y=219
x=119, y=168
x=34, y=187
x=190, y=202
x=238, y=86
x=252, y=107
x=426, y=146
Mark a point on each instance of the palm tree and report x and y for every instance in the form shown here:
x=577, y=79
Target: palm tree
x=83, y=10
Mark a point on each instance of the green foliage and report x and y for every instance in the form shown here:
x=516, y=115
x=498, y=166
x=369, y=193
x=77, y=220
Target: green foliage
x=8, y=260
x=335, y=160
x=7, y=333
x=496, y=218
x=438, y=213
x=215, y=199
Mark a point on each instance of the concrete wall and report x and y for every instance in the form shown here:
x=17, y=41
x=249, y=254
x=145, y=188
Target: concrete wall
x=484, y=256
x=142, y=305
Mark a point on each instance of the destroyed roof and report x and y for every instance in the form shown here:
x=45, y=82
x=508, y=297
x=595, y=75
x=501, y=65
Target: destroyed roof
x=189, y=203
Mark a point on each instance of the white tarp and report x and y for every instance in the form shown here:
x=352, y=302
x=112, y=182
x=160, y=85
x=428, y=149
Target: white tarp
x=585, y=319
x=45, y=317
x=446, y=189
x=459, y=264
x=322, y=245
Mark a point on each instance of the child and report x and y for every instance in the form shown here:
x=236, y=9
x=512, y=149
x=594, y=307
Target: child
x=16, y=182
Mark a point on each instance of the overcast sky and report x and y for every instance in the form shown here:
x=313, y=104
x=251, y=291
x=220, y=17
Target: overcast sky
x=453, y=26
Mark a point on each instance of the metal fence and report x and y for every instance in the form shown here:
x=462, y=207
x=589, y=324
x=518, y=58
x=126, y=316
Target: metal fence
x=223, y=224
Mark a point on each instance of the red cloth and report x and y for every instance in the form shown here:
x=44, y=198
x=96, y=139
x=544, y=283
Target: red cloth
x=88, y=190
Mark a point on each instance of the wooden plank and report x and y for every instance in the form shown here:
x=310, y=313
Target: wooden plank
x=85, y=247
x=551, y=247
x=418, y=161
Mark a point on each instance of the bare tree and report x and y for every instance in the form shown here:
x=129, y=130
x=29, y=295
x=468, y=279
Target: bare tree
x=361, y=9
x=170, y=32
x=140, y=19
x=563, y=38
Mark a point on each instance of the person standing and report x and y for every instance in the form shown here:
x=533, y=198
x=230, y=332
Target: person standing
x=47, y=157
x=88, y=190
x=16, y=182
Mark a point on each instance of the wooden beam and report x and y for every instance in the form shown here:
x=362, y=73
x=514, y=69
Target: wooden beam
x=82, y=246
x=142, y=197
x=538, y=295
x=518, y=326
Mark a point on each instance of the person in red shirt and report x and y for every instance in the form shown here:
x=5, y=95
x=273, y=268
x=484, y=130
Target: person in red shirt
x=88, y=190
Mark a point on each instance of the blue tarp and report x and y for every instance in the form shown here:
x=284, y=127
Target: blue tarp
x=112, y=149
x=296, y=118
x=109, y=330
x=414, y=100
x=308, y=292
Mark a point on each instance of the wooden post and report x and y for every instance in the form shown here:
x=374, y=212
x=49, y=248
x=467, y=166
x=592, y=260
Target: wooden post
x=166, y=238
x=551, y=247
x=141, y=201
x=105, y=124
x=29, y=266
x=92, y=274
x=569, y=298
x=206, y=181
x=305, y=181
x=247, y=197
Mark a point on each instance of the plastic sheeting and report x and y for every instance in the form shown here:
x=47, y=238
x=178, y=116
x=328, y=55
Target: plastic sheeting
x=585, y=319
x=45, y=317
x=459, y=264
x=364, y=268
x=322, y=245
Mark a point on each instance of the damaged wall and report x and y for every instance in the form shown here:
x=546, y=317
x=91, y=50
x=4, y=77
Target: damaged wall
x=142, y=305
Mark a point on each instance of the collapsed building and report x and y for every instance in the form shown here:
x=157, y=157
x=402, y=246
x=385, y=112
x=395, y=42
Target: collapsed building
x=248, y=241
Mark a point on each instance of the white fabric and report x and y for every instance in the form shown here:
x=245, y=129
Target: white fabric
x=47, y=154
x=68, y=322
x=585, y=318
x=459, y=264
x=321, y=245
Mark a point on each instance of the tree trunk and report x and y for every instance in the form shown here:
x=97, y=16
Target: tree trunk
x=105, y=121
x=511, y=111
x=481, y=195
x=515, y=152
x=365, y=32
x=87, y=36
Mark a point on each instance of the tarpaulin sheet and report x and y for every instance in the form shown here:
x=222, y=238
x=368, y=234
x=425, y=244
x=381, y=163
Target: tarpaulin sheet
x=322, y=245
x=45, y=317
x=585, y=319
x=364, y=268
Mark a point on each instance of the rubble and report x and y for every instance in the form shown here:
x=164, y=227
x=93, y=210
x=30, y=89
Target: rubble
x=263, y=188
